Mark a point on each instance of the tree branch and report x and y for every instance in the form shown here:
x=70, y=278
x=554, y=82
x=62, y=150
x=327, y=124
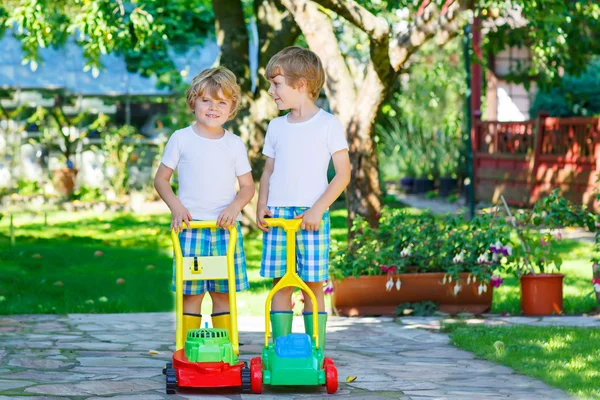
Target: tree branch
x=377, y=28
x=318, y=30
x=425, y=27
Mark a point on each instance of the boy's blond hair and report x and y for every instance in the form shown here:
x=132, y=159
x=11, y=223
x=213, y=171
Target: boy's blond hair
x=294, y=63
x=210, y=81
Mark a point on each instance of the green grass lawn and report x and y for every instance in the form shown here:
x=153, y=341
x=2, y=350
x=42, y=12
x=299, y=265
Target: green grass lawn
x=53, y=268
x=568, y=358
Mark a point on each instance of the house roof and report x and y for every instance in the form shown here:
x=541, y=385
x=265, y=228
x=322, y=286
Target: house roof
x=62, y=69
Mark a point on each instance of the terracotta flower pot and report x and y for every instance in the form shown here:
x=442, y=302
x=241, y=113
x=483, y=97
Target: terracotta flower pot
x=65, y=180
x=542, y=294
x=366, y=295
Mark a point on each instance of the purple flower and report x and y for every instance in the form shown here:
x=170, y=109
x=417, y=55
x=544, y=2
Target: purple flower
x=328, y=289
x=496, y=247
x=496, y=281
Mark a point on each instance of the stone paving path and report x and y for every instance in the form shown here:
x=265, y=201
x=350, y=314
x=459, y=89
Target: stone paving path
x=85, y=356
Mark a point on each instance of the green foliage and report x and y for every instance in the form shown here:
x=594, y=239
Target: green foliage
x=28, y=188
x=87, y=194
x=119, y=144
x=420, y=126
x=419, y=309
x=574, y=96
x=553, y=34
x=423, y=242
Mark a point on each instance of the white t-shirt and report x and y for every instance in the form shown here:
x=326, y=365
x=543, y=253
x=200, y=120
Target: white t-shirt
x=302, y=152
x=207, y=170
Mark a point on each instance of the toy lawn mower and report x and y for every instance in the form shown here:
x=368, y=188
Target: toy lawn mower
x=208, y=357
x=293, y=358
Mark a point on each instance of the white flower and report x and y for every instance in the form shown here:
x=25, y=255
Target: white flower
x=398, y=284
x=508, y=249
x=460, y=257
x=484, y=287
x=456, y=289
x=469, y=279
x=495, y=257
x=483, y=258
x=480, y=289
x=389, y=285
x=406, y=251
x=445, y=279
x=449, y=278
x=474, y=278
x=597, y=287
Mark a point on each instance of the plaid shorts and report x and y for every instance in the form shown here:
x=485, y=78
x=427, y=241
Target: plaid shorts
x=312, y=248
x=212, y=242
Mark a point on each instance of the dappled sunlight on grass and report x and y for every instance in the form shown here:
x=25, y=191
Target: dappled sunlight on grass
x=568, y=358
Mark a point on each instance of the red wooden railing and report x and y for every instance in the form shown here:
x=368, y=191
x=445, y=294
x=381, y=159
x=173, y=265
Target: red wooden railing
x=527, y=159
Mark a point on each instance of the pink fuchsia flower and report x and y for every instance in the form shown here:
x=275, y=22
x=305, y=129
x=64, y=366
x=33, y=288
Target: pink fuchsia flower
x=496, y=281
x=388, y=269
x=328, y=288
x=596, y=281
x=543, y=242
x=496, y=247
x=558, y=235
x=507, y=250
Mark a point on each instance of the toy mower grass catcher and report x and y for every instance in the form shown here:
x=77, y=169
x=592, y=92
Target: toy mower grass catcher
x=293, y=358
x=206, y=358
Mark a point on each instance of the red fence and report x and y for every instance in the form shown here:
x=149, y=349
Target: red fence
x=528, y=159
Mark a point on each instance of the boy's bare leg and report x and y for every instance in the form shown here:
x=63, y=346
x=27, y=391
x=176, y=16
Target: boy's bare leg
x=220, y=302
x=282, y=300
x=317, y=289
x=192, y=303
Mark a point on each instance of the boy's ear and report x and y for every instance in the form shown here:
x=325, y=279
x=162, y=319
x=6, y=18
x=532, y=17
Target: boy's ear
x=301, y=85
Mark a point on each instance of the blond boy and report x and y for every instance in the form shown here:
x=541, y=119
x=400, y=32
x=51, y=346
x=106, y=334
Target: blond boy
x=298, y=148
x=208, y=159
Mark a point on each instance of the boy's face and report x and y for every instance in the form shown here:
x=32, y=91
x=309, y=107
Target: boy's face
x=285, y=96
x=212, y=111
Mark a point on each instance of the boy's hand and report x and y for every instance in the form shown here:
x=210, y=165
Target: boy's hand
x=228, y=217
x=311, y=219
x=261, y=211
x=179, y=214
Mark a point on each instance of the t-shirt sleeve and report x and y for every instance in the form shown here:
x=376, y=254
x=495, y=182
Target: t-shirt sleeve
x=336, y=137
x=172, y=152
x=242, y=164
x=269, y=147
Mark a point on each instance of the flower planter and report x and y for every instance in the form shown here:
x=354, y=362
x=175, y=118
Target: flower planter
x=447, y=186
x=366, y=295
x=542, y=294
x=65, y=180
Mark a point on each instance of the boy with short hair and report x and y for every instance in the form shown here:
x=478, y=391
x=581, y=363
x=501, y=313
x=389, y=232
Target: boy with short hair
x=208, y=159
x=298, y=148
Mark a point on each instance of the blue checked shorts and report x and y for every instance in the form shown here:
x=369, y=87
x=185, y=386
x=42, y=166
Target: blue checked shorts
x=212, y=242
x=312, y=248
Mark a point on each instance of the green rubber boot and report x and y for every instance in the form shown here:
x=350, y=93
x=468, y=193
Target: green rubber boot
x=308, y=326
x=281, y=323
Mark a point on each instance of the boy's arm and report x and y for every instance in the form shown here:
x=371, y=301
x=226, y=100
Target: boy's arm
x=263, y=194
x=162, y=184
x=311, y=218
x=229, y=215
